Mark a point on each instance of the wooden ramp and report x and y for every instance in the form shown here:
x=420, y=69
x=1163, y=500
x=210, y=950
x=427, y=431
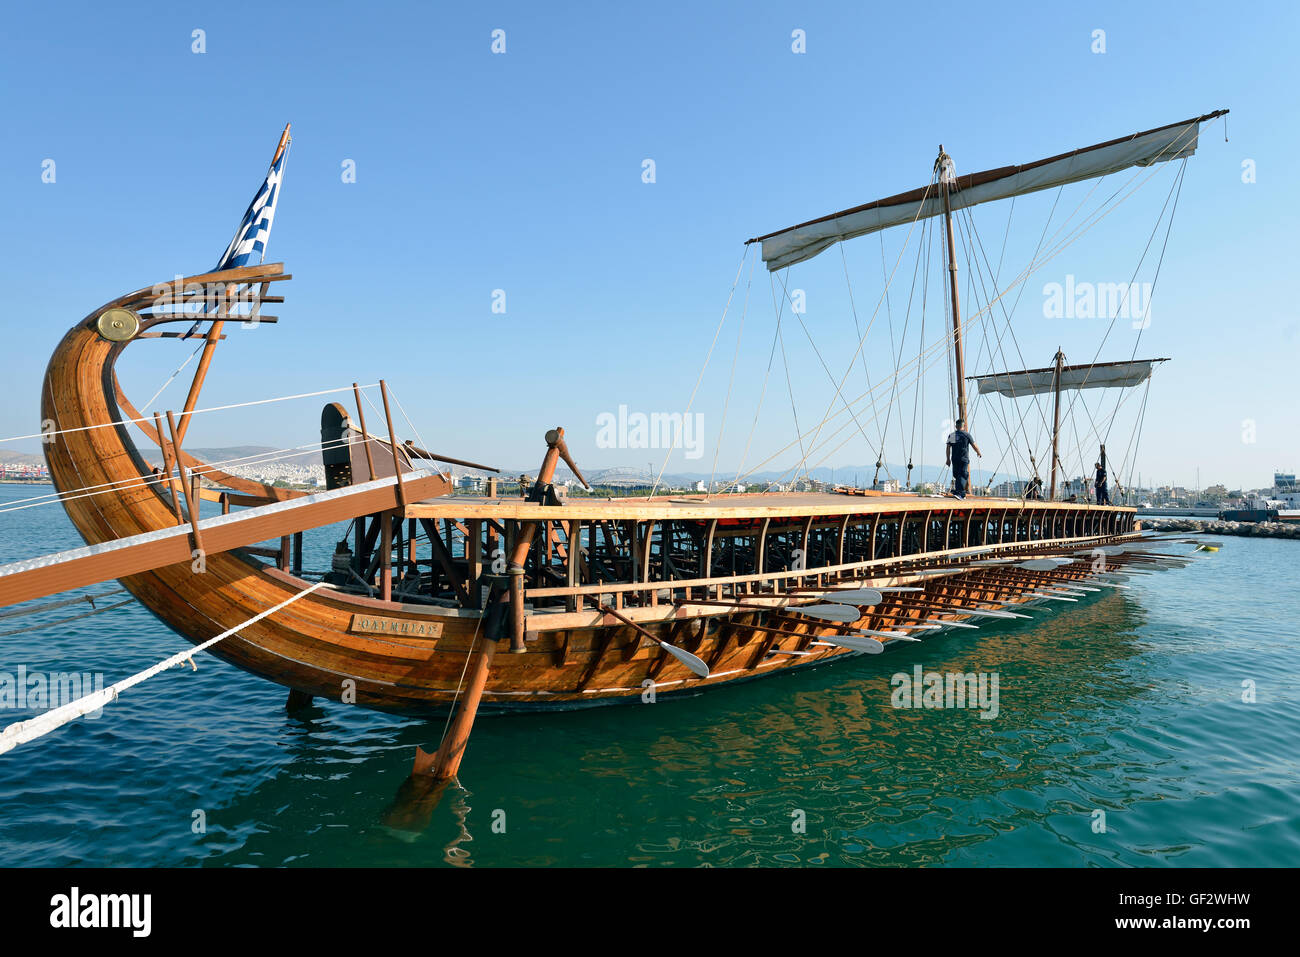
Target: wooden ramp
x=78, y=567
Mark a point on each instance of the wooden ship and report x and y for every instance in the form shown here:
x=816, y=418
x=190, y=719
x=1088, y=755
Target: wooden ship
x=516, y=601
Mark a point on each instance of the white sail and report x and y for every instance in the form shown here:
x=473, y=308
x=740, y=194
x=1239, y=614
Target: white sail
x=797, y=243
x=1108, y=375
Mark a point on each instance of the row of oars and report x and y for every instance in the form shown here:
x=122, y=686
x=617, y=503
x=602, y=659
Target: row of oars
x=1000, y=577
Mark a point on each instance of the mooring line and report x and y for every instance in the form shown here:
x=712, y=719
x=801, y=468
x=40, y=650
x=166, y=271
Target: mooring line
x=21, y=732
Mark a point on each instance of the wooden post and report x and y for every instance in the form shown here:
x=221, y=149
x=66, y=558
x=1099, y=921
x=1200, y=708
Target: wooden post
x=365, y=436
x=386, y=556
x=190, y=503
x=167, y=469
x=958, y=356
x=445, y=762
x=474, y=561
x=555, y=448
x=201, y=371
x=1056, y=419
x=392, y=438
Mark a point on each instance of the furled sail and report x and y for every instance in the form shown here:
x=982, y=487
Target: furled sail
x=797, y=243
x=1104, y=375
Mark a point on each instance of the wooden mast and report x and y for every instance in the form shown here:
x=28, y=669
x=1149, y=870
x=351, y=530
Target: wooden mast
x=1056, y=417
x=942, y=166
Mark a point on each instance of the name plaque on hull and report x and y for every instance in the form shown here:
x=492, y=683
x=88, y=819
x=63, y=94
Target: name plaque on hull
x=378, y=625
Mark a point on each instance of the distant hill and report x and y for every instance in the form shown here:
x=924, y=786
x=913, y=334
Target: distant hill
x=624, y=476
x=154, y=456
x=21, y=458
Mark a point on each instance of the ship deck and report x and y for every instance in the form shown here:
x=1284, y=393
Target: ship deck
x=737, y=506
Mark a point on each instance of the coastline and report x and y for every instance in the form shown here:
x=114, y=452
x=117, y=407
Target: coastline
x=1245, y=529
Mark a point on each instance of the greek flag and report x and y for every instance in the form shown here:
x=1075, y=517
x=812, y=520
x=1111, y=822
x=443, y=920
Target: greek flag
x=249, y=245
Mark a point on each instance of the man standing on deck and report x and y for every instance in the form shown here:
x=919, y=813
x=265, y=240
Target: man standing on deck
x=1099, y=484
x=957, y=455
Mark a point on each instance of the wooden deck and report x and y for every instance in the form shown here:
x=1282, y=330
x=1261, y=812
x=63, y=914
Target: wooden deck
x=743, y=506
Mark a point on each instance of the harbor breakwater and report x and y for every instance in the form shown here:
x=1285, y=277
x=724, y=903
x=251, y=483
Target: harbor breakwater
x=1246, y=529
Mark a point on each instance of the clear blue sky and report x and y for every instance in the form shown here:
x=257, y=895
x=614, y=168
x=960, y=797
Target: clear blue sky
x=523, y=172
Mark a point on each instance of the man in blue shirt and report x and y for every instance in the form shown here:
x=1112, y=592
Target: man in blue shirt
x=957, y=455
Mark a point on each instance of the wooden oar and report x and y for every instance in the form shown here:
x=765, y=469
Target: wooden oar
x=882, y=634
x=859, y=597
x=1038, y=565
x=828, y=612
x=868, y=645
x=825, y=612
x=685, y=657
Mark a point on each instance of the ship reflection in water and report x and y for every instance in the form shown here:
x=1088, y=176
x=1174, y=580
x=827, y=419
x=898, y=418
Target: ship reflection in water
x=817, y=767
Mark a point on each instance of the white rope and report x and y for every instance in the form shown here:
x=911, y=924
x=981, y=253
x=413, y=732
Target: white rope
x=123, y=485
x=21, y=732
x=215, y=408
x=172, y=378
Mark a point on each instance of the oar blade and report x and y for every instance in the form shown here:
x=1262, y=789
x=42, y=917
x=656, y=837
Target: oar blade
x=686, y=658
x=866, y=645
x=859, y=597
x=829, y=612
x=1038, y=565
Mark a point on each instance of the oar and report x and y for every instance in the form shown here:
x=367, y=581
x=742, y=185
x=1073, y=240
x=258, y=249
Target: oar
x=950, y=624
x=685, y=657
x=1038, y=565
x=983, y=612
x=868, y=645
x=824, y=612
x=882, y=634
x=828, y=612
x=860, y=597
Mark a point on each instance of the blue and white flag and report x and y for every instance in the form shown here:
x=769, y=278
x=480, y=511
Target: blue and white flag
x=249, y=245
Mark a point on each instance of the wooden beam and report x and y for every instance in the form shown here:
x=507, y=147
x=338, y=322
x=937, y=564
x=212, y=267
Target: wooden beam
x=34, y=578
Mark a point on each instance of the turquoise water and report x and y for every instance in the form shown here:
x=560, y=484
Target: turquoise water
x=1129, y=703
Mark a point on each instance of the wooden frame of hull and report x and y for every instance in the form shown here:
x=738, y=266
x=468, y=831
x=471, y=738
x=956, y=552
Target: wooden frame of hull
x=573, y=658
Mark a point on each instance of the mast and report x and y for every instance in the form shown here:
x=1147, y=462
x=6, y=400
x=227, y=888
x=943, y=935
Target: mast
x=943, y=166
x=1056, y=417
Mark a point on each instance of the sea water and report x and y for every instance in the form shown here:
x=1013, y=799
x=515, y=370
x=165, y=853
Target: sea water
x=1158, y=725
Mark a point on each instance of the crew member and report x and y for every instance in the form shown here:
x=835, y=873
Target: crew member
x=957, y=455
x=1099, y=484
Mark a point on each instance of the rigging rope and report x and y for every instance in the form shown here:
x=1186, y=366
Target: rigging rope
x=691, y=402
x=149, y=418
x=21, y=732
x=731, y=379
